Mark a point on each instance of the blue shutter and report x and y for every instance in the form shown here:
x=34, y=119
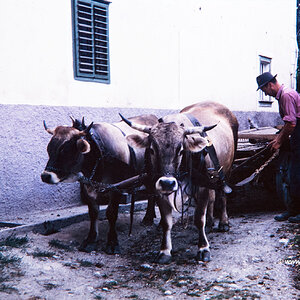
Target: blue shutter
x=91, y=40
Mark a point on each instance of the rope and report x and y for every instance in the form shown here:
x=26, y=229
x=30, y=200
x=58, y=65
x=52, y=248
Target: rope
x=275, y=154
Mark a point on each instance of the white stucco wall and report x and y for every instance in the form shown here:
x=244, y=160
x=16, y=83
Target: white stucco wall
x=163, y=54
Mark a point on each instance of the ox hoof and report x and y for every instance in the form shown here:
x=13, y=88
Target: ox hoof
x=203, y=255
x=112, y=248
x=88, y=247
x=223, y=227
x=164, y=259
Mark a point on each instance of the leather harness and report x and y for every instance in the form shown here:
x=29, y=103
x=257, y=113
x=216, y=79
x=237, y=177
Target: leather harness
x=210, y=149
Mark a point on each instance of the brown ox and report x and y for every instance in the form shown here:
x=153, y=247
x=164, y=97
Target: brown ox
x=169, y=145
x=99, y=153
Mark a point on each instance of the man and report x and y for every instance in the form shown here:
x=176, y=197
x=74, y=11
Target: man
x=289, y=110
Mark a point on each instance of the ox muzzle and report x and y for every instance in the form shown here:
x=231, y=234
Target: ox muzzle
x=166, y=185
x=51, y=177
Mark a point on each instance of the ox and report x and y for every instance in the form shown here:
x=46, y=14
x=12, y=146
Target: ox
x=174, y=150
x=100, y=153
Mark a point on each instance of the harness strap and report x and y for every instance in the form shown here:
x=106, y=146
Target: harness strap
x=98, y=141
x=210, y=149
x=133, y=165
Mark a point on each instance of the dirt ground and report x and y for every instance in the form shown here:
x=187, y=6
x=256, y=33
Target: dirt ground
x=257, y=259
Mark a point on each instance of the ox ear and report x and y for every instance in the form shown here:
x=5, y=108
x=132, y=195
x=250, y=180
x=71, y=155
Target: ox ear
x=137, y=141
x=83, y=146
x=195, y=144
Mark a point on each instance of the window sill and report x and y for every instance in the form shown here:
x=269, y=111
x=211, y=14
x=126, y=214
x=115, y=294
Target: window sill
x=265, y=103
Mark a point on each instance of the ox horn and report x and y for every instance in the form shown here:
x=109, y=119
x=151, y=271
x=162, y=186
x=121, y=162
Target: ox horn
x=199, y=129
x=77, y=124
x=73, y=119
x=136, y=126
x=51, y=131
x=87, y=130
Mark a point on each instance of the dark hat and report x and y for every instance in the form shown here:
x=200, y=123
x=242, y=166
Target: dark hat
x=263, y=79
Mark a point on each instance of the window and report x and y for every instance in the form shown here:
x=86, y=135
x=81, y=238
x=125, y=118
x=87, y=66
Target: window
x=91, y=40
x=264, y=66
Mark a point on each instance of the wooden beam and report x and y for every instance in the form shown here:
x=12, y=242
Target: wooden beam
x=257, y=136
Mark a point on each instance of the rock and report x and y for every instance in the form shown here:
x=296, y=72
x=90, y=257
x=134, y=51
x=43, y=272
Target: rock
x=218, y=288
x=182, y=283
x=168, y=293
x=146, y=267
x=252, y=277
x=284, y=242
x=98, y=274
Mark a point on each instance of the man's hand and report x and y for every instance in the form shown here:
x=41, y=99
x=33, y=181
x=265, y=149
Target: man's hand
x=275, y=144
x=284, y=134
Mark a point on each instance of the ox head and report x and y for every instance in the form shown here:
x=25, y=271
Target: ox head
x=66, y=149
x=165, y=146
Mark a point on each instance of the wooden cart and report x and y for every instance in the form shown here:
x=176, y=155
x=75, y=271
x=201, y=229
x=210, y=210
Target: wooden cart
x=252, y=153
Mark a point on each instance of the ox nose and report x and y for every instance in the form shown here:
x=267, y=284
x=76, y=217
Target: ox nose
x=167, y=184
x=49, y=177
x=46, y=177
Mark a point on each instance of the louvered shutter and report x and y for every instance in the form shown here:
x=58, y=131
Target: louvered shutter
x=91, y=40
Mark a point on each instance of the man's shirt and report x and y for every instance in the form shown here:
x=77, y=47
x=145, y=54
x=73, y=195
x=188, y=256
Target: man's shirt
x=289, y=104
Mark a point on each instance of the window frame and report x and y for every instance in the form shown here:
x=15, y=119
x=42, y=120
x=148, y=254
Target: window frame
x=264, y=66
x=92, y=75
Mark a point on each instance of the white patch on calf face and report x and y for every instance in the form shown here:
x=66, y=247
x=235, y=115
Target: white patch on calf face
x=166, y=185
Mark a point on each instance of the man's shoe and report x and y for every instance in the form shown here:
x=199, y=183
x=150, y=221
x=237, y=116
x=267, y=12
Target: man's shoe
x=282, y=217
x=295, y=219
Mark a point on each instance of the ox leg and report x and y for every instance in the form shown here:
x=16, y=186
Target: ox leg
x=90, y=243
x=224, y=223
x=150, y=213
x=166, y=223
x=210, y=212
x=199, y=221
x=112, y=246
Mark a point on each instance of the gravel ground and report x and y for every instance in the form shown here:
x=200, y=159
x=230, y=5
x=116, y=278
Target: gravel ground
x=257, y=259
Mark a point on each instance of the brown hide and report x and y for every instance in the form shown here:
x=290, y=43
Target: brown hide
x=101, y=153
x=166, y=144
x=224, y=136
